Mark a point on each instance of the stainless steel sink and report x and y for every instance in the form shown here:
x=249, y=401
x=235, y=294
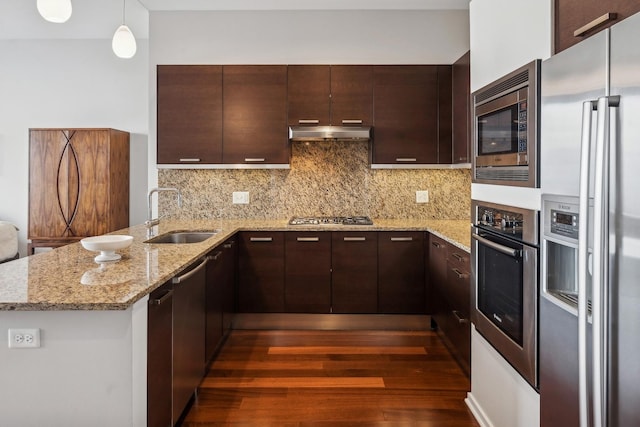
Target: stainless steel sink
x=182, y=237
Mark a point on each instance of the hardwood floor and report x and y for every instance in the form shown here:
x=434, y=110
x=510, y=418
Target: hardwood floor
x=332, y=378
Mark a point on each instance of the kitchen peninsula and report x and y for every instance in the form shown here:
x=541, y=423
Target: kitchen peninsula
x=91, y=366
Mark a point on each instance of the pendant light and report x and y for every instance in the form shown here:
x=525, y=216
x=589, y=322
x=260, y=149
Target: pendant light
x=57, y=11
x=124, y=43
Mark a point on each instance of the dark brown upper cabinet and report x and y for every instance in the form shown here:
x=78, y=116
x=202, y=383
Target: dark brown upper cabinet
x=189, y=114
x=412, y=114
x=255, y=114
x=461, y=110
x=576, y=20
x=325, y=95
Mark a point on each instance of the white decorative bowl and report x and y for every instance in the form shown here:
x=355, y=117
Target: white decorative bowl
x=107, y=245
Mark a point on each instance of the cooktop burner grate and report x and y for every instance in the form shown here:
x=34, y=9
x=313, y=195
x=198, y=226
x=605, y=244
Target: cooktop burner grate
x=331, y=220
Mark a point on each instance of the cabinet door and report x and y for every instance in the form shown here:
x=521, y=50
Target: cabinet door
x=405, y=114
x=461, y=110
x=189, y=118
x=255, y=114
x=159, y=356
x=354, y=265
x=445, y=114
x=351, y=95
x=309, y=94
x=458, y=327
x=230, y=257
x=400, y=272
x=188, y=335
x=307, y=272
x=261, y=272
x=437, y=274
x=214, y=300
x=585, y=15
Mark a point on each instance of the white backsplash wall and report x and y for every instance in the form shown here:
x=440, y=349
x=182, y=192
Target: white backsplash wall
x=326, y=178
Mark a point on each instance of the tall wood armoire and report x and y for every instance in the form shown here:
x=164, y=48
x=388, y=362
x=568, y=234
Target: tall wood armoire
x=78, y=184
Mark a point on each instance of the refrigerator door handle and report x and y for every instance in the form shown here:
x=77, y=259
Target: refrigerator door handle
x=605, y=127
x=583, y=256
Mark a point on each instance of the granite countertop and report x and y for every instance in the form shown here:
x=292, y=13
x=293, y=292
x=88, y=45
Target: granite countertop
x=67, y=278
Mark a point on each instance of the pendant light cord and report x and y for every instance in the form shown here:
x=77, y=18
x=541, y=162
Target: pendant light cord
x=124, y=7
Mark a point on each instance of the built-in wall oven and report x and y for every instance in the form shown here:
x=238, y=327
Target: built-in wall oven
x=504, y=254
x=505, y=149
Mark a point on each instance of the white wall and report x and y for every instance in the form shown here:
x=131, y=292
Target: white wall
x=301, y=37
x=89, y=371
x=68, y=83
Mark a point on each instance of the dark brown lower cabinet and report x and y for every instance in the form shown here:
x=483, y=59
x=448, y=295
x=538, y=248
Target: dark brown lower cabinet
x=229, y=261
x=261, y=272
x=214, y=299
x=307, y=286
x=188, y=335
x=159, y=357
x=450, y=285
x=401, y=284
x=354, y=264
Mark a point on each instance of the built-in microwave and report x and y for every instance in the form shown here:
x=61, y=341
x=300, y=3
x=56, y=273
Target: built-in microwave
x=506, y=129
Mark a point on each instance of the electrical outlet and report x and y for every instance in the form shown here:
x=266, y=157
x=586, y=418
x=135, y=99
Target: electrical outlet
x=24, y=338
x=240, y=197
x=422, y=196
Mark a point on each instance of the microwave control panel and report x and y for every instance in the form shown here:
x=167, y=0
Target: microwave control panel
x=522, y=127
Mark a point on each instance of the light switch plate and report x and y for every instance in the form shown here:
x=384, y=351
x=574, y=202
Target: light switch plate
x=240, y=197
x=422, y=196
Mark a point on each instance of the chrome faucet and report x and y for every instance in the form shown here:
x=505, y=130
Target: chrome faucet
x=150, y=222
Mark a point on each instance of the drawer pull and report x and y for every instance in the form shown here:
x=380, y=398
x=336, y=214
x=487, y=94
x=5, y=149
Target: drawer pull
x=593, y=24
x=402, y=239
x=215, y=256
x=460, y=274
x=457, y=256
x=228, y=245
x=459, y=318
x=261, y=239
x=308, y=121
x=352, y=122
x=436, y=244
x=163, y=298
x=354, y=239
x=180, y=279
x=406, y=159
x=308, y=239
x=254, y=159
x=189, y=160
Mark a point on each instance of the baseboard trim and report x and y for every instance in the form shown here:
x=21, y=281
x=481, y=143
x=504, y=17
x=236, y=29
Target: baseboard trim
x=477, y=411
x=293, y=321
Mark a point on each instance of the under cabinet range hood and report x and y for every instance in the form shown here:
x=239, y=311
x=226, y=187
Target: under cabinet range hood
x=329, y=133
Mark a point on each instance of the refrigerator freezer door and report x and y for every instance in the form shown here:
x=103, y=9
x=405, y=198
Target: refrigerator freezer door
x=624, y=228
x=568, y=79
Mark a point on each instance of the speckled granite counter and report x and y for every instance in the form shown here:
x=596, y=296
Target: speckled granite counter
x=67, y=278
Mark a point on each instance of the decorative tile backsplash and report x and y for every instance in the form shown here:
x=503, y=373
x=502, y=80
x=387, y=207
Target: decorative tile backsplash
x=326, y=178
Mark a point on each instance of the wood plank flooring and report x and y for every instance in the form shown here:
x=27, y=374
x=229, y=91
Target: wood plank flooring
x=332, y=378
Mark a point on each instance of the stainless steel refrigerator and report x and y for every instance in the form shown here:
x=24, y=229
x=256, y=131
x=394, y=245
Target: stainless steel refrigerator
x=589, y=361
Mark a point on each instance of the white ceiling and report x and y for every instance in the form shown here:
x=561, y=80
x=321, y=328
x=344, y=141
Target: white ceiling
x=98, y=19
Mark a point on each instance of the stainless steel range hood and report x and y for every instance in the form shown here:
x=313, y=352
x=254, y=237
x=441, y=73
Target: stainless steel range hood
x=329, y=133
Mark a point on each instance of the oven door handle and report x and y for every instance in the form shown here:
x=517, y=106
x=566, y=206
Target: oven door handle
x=515, y=253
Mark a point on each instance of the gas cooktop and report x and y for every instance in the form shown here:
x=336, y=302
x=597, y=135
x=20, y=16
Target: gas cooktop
x=331, y=220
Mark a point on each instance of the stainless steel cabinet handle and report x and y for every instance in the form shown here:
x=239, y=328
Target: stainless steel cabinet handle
x=406, y=159
x=457, y=256
x=189, y=160
x=308, y=239
x=497, y=246
x=402, y=239
x=180, y=279
x=261, y=239
x=458, y=317
x=228, y=245
x=354, y=239
x=593, y=24
x=352, y=122
x=163, y=298
x=436, y=244
x=215, y=256
x=254, y=159
x=460, y=274
x=308, y=121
